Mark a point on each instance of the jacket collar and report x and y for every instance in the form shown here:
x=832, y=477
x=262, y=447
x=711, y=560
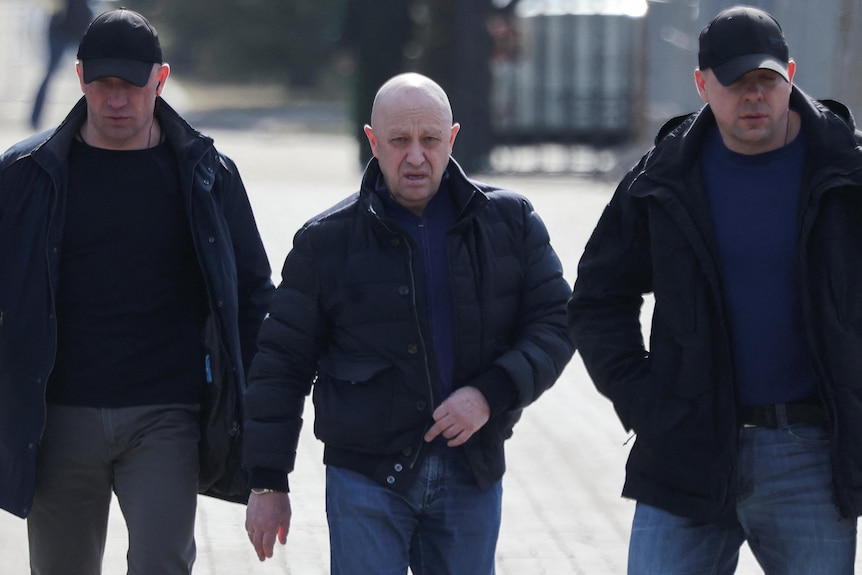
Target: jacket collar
x=829, y=128
x=466, y=193
x=188, y=143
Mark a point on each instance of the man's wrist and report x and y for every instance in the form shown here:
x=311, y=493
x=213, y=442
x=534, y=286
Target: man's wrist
x=262, y=490
x=266, y=478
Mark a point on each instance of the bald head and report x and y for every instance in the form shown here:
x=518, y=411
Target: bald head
x=411, y=91
x=411, y=135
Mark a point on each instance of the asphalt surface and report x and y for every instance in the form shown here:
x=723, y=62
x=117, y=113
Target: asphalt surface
x=562, y=513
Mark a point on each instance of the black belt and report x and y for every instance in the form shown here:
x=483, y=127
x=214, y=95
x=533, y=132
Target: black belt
x=781, y=414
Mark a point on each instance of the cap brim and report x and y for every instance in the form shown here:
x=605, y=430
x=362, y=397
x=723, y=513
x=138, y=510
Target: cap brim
x=132, y=71
x=729, y=72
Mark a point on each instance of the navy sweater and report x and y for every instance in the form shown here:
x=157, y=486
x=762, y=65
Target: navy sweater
x=753, y=200
x=429, y=237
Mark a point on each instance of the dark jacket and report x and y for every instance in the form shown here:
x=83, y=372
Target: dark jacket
x=656, y=236
x=33, y=189
x=350, y=318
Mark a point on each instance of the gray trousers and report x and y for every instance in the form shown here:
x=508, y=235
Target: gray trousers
x=148, y=457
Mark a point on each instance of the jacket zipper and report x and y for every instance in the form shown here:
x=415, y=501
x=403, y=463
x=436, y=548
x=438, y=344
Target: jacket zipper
x=420, y=445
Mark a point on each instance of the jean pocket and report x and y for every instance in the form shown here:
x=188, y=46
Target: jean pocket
x=805, y=434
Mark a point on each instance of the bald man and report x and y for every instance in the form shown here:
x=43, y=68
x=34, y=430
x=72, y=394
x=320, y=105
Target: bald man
x=426, y=311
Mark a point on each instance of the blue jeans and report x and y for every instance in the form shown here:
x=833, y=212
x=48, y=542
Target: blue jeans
x=785, y=510
x=444, y=524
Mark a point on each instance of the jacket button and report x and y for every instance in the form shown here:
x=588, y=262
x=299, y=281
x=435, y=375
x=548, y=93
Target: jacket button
x=212, y=240
x=403, y=290
x=395, y=242
x=390, y=480
x=398, y=467
x=421, y=405
x=407, y=451
x=412, y=348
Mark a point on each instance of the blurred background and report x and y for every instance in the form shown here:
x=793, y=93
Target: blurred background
x=539, y=85
x=544, y=89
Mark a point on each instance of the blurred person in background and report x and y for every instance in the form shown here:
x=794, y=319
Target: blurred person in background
x=133, y=282
x=65, y=26
x=374, y=42
x=426, y=311
x=745, y=223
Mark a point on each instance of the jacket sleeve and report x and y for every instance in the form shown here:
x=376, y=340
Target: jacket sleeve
x=540, y=347
x=253, y=272
x=284, y=368
x=604, y=313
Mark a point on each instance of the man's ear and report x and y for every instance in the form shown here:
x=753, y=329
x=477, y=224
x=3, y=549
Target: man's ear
x=700, y=84
x=79, y=71
x=791, y=70
x=372, y=140
x=456, y=127
x=162, y=75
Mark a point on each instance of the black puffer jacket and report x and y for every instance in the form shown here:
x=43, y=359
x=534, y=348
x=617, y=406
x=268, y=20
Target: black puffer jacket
x=656, y=237
x=350, y=317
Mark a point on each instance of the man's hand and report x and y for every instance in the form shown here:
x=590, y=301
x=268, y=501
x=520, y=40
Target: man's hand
x=460, y=416
x=267, y=516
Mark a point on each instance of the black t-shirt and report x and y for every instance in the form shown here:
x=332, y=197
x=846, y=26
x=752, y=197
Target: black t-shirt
x=131, y=298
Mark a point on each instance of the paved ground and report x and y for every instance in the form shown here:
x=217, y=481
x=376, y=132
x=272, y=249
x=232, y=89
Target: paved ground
x=562, y=511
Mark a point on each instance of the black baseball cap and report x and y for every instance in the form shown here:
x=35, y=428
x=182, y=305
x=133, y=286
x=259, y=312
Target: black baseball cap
x=742, y=39
x=122, y=44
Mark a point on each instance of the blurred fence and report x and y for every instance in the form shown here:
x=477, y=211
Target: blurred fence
x=571, y=80
x=575, y=85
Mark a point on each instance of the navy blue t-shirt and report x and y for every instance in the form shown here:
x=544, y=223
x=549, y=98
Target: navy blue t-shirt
x=754, y=204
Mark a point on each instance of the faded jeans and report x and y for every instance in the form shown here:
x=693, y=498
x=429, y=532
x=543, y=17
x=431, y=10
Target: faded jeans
x=785, y=511
x=443, y=525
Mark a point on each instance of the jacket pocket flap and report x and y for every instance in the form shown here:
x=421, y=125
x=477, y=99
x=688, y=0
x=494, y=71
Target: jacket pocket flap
x=355, y=370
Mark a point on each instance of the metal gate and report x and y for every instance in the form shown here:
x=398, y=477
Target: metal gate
x=573, y=79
